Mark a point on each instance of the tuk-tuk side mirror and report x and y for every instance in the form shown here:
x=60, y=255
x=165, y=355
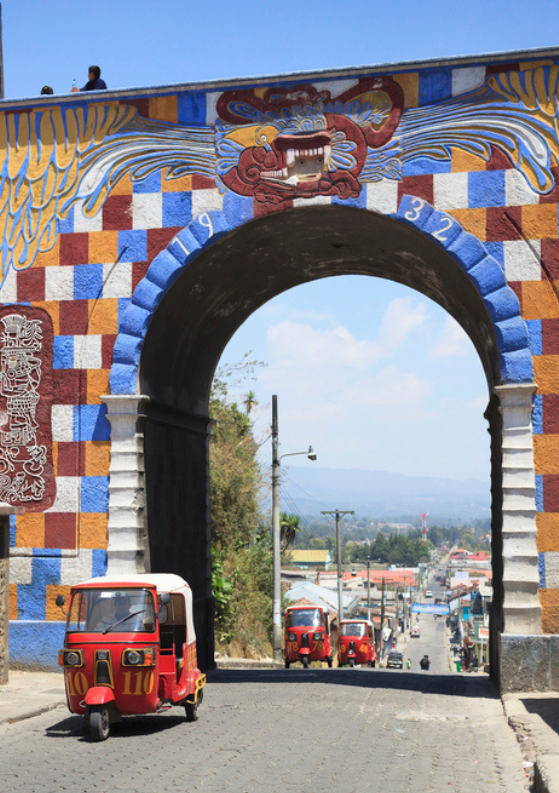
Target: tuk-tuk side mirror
x=60, y=600
x=164, y=599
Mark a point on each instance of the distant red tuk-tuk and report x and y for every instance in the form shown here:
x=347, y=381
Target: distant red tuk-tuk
x=130, y=648
x=356, y=643
x=307, y=635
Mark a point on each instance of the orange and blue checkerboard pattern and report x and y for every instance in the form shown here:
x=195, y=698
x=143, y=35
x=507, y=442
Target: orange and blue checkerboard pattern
x=85, y=282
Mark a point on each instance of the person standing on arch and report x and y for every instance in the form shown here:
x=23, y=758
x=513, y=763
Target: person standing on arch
x=94, y=81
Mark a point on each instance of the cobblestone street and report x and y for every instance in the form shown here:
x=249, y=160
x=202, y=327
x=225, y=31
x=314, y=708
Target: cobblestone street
x=282, y=730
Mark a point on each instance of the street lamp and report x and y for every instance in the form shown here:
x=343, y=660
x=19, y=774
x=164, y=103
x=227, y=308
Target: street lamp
x=276, y=551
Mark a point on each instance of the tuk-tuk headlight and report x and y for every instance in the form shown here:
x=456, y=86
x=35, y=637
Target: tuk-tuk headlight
x=292, y=637
x=145, y=657
x=133, y=658
x=70, y=658
x=318, y=637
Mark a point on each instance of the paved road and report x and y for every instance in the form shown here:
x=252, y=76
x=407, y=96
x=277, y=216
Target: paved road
x=329, y=730
x=284, y=730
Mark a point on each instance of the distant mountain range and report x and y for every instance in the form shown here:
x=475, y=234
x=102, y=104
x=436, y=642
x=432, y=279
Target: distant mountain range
x=382, y=495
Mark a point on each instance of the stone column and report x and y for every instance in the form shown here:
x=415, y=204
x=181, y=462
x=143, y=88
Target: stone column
x=521, y=606
x=127, y=546
x=5, y=511
x=4, y=597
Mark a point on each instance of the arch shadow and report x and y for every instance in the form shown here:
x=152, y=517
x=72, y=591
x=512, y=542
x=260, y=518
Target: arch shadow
x=467, y=686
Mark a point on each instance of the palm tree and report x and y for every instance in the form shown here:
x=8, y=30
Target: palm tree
x=289, y=526
x=250, y=401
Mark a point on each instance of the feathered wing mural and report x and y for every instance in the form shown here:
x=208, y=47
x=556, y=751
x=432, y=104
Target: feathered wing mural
x=58, y=156
x=516, y=112
x=273, y=145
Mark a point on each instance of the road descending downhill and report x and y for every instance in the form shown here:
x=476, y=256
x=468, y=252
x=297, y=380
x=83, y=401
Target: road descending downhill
x=284, y=731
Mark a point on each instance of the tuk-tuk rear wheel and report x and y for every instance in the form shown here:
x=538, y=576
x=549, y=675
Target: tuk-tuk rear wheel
x=99, y=722
x=191, y=709
x=329, y=661
x=287, y=664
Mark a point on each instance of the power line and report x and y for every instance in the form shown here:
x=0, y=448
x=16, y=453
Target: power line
x=302, y=489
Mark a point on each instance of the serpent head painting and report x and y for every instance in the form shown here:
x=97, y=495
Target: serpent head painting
x=300, y=143
x=271, y=144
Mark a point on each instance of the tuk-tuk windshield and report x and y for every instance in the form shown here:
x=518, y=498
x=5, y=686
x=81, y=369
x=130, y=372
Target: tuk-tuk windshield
x=303, y=618
x=353, y=629
x=104, y=610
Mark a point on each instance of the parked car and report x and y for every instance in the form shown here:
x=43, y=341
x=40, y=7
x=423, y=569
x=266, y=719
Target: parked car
x=415, y=632
x=428, y=593
x=395, y=659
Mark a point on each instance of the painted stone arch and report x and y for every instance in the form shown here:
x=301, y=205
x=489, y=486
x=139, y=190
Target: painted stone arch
x=466, y=250
x=517, y=609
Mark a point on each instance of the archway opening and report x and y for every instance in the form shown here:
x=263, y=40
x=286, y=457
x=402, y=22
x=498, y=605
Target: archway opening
x=211, y=299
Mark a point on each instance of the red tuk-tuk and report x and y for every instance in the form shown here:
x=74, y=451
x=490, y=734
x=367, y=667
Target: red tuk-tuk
x=307, y=635
x=130, y=648
x=356, y=643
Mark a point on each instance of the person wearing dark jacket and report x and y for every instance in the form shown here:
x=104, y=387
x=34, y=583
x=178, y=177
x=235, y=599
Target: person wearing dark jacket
x=94, y=82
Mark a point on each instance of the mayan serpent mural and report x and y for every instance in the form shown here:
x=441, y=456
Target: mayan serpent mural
x=274, y=145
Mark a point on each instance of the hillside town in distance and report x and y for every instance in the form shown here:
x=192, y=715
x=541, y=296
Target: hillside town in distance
x=400, y=581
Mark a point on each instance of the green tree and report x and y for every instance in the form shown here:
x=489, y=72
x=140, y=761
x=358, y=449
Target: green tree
x=235, y=477
x=289, y=526
x=241, y=547
x=250, y=402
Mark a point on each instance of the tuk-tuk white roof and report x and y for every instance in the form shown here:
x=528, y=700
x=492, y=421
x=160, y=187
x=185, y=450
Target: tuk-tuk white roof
x=164, y=582
x=349, y=619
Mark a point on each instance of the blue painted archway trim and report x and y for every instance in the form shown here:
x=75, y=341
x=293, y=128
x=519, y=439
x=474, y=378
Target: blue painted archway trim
x=489, y=279
x=470, y=254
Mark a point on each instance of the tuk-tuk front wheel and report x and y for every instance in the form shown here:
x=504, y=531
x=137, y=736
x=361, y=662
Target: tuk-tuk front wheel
x=305, y=661
x=352, y=662
x=191, y=709
x=99, y=722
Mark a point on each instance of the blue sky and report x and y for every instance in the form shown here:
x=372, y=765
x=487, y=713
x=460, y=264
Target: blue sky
x=372, y=374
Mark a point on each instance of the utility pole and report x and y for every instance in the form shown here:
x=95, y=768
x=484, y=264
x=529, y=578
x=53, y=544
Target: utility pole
x=276, y=553
x=337, y=513
x=276, y=549
x=369, y=590
x=396, y=617
x=381, y=621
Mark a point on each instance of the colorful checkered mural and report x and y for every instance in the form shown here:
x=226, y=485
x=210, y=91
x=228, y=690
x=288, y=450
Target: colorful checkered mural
x=105, y=198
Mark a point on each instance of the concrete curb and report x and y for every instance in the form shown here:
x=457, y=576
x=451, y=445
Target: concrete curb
x=247, y=663
x=541, y=740
x=546, y=775
x=32, y=713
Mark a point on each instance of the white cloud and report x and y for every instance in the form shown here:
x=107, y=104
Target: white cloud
x=388, y=388
x=316, y=413
x=452, y=341
x=295, y=344
x=403, y=316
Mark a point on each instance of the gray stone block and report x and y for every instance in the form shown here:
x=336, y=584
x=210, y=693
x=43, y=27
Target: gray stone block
x=526, y=663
